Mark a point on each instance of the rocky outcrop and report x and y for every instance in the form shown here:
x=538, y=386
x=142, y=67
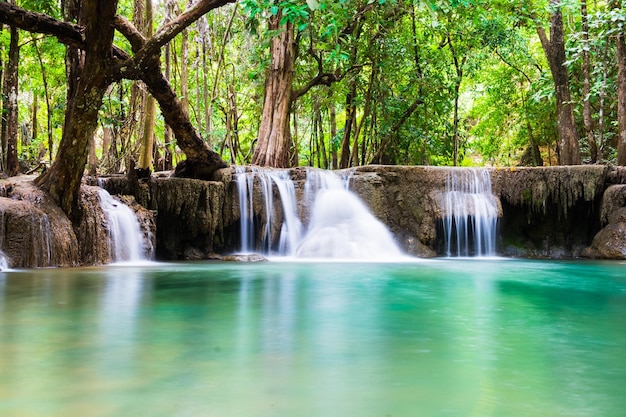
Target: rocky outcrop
x=549, y=212
x=34, y=232
x=191, y=216
x=407, y=200
x=610, y=241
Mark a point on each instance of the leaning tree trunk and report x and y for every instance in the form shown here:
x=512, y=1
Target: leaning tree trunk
x=554, y=48
x=274, y=142
x=62, y=180
x=201, y=161
x=621, y=94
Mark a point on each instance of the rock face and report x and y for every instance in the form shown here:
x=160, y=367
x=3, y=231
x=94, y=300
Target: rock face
x=547, y=212
x=34, y=232
x=192, y=217
x=550, y=212
x=610, y=242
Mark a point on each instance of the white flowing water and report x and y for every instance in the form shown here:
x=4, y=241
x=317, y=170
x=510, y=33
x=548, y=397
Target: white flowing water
x=338, y=223
x=126, y=238
x=245, y=188
x=470, y=216
x=4, y=262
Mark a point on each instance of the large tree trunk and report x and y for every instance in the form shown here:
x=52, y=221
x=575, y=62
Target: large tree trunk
x=554, y=48
x=347, y=130
x=149, y=108
x=621, y=94
x=62, y=180
x=9, y=108
x=274, y=142
x=587, y=119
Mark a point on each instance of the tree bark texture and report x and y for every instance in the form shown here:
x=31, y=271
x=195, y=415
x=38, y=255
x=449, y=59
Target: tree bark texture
x=149, y=111
x=10, y=107
x=621, y=95
x=274, y=142
x=554, y=48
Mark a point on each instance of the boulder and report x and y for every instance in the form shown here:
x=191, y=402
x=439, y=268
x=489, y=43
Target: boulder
x=610, y=242
x=34, y=232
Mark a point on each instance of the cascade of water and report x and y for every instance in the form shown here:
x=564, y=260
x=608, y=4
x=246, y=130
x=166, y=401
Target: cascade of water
x=126, y=238
x=4, y=261
x=244, y=212
x=245, y=189
x=470, y=214
x=291, y=231
x=339, y=226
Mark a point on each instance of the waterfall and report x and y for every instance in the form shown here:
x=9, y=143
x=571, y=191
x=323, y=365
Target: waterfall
x=330, y=222
x=126, y=238
x=245, y=188
x=470, y=215
x=4, y=262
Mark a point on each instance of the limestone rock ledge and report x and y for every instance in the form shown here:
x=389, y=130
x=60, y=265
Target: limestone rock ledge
x=551, y=212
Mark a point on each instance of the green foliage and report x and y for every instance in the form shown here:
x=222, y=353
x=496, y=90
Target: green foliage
x=390, y=53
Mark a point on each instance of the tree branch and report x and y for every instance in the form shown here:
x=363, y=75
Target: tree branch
x=130, y=32
x=174, y=27
x=67, y=33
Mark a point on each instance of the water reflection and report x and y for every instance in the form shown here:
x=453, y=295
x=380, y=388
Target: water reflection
x=510, y=338
x=118, y=317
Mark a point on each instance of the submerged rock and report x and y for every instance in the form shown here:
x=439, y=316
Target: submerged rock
x=251, y=257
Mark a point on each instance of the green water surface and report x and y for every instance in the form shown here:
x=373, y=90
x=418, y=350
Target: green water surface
x=498, y=338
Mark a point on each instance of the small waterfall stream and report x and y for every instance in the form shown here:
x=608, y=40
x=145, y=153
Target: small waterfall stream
x=470, y=215
x=127, y=243
x=332, y=222
x=4, y=262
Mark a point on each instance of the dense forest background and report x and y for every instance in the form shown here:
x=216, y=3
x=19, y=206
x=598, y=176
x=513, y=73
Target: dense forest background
x=341, y=83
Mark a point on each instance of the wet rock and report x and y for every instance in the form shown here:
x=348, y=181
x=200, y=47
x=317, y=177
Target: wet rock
x=610, y=242
x=190, y=214
x=34, y=232
x=252, y=257
x=95, y=248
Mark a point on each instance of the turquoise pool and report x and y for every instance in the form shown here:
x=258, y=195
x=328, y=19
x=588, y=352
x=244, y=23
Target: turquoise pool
x=502, y=338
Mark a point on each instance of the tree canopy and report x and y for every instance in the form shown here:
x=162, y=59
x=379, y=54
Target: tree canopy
x=324, y=83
